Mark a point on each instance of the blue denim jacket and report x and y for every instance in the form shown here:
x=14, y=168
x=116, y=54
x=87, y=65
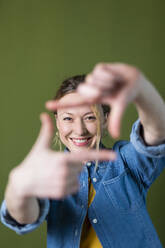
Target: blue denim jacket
x=118, y=212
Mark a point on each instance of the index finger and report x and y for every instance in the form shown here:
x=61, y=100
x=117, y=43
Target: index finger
x=91, y=155
x=87, y=95
x=53, y=105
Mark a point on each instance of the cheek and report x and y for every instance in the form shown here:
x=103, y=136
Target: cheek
x=64, y=130
x=92, y=128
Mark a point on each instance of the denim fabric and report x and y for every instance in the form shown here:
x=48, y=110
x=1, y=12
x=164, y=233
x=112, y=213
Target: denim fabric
x=118, y=212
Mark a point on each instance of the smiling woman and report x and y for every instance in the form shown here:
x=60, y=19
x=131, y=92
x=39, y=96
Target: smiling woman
x=89, y=196
x=79, y=127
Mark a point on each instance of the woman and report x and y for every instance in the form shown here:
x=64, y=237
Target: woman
x=55, y=186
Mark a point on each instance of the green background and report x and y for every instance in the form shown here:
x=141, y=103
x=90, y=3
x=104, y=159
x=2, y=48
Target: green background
x=42, y=43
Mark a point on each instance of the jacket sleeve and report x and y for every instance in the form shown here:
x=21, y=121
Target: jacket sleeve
x=145, y=162
x=8, y=221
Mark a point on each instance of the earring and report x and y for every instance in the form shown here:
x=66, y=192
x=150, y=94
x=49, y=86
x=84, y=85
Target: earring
x=56, y=141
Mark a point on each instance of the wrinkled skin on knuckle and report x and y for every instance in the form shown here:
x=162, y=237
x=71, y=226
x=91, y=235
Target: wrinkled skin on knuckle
x=131, y=72
x=100, y=66
x=134, y=74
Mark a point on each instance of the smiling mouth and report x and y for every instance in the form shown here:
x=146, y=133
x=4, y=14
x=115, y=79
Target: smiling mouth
x=81, y=141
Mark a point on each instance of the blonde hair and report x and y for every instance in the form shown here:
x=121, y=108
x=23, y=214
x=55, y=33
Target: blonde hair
x=98, y=135
x=56, y=142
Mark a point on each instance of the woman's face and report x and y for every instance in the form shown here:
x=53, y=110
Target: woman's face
x=77, y=126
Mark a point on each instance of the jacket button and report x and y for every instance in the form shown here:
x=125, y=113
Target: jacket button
x=94, y=221
x=89, y=164
x=94, y=179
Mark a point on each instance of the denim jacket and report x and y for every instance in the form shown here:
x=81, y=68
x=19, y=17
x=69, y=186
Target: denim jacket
x=118, y=212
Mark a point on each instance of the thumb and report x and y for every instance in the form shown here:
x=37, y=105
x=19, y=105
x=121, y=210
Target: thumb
x=115, y=118
x=46, y=131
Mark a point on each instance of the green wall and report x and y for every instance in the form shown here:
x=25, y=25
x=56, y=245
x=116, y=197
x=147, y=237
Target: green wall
x=42, y=43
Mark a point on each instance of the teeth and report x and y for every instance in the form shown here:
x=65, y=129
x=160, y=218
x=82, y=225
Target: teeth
x=80, y=141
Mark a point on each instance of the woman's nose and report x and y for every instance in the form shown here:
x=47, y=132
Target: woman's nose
x=80, y=128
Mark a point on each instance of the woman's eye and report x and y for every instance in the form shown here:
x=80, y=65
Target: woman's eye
x=91, y=118
x=67, y=118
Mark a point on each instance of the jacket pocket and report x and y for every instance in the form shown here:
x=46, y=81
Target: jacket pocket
x=124, y=192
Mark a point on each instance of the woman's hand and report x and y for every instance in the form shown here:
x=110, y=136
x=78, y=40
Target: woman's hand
x=48, y=174
x=117, y=85
x=45, y=174
x=113, y=84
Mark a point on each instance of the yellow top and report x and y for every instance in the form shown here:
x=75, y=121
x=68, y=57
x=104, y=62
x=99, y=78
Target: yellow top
x=89, y=238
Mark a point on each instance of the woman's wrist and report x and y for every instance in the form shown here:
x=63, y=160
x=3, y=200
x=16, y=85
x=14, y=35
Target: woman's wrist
x=151, y=110
x=18, y=184
x=21, y=206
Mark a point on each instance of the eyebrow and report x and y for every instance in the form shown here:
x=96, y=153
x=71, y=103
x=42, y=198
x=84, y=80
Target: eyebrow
x=73, y=114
